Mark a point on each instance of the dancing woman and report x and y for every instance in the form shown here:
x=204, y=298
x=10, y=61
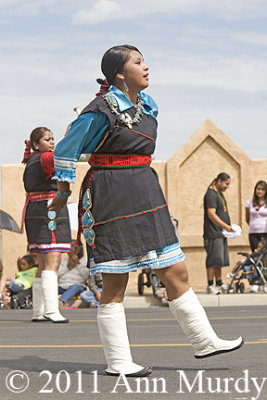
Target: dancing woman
x=48, y=233
x=125, y=217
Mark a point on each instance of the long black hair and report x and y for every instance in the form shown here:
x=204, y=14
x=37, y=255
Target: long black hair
x=255, y=197
x=113, y=61
x=223, y=176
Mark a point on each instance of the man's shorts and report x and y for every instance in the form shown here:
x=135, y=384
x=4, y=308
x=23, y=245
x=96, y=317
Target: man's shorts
x=217, y=252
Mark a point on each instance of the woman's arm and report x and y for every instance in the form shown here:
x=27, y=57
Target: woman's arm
x=82, y=137
x=217, y=220
x=59, y=202
x=247, y=215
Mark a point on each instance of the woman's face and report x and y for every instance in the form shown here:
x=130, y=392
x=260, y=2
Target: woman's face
x=223, y=185
x=135, y=72
x=260, y=192
x=46, y=143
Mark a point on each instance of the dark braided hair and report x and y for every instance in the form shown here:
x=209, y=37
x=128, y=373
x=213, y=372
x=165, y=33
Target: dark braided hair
x=113, y=61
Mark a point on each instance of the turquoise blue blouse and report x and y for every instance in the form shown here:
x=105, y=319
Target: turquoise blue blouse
x=85, y=132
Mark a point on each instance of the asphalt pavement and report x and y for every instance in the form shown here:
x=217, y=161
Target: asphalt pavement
x=66, y=361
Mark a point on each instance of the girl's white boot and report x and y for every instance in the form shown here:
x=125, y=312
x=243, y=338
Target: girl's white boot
x=50, y=292
x=194, y=322
x=113, y=333
x=37, y=301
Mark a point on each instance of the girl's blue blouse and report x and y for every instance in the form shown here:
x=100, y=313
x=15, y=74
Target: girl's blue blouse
x=84, y=133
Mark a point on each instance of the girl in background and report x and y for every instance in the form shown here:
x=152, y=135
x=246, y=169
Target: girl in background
x=48, y=233
x=22, y=281
x=256, y=218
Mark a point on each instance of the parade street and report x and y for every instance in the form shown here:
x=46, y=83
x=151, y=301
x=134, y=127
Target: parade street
x=66, y=361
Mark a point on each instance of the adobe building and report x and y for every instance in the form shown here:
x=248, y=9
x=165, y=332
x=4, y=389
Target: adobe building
x=184, y=179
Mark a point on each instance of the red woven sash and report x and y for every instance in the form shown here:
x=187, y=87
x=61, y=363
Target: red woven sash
x=41, y=196
x=119, y=160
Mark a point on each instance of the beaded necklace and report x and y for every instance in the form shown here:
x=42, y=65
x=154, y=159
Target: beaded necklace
x=221, y=197
x=125, y=118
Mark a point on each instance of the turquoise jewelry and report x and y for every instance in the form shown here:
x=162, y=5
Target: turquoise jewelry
x=125, y=86
x=88, y=219
x=125, y=118
x=64, y=195
x=52, y=225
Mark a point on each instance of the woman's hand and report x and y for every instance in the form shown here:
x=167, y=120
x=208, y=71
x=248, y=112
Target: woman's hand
x=59, y=202
x=56, y=204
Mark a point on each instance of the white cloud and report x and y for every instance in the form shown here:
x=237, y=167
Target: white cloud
x=104, y=10
x=258, y=39
x=240, y=74
x=95, y=11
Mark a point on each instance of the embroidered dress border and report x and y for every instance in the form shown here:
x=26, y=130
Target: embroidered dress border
x=49, y=247
x=66, y=163
x=130, y=215
x=155, y=259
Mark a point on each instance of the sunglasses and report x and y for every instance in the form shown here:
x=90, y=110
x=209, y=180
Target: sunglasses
x=88, y=219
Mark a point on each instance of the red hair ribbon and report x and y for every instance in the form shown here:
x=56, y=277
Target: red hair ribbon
x=27, y=151
x=103, y=88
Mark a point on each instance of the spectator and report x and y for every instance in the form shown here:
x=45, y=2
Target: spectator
x=256, y=218
x=23, y=279
x=216, y=218
x=92, y=296
x=72, y=274
x=256, y=214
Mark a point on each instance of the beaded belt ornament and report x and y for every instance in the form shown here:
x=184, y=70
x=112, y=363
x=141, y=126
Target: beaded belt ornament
x=125, y=118
x=52, y=225
x=88, y=219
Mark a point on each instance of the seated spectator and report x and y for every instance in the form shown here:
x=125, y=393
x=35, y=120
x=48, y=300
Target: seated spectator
x=92, y=296
x=72, y=274
x=22, y=281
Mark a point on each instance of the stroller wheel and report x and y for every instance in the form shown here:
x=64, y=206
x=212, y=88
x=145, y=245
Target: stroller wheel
x=242, y=287
x=235, y=288
x=155, y=282
x=140, y=284
x=265, y=288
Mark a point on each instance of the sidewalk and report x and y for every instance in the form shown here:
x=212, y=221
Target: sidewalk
x=133, y=300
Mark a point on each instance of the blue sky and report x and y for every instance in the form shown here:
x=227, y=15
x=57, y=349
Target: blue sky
x=207, y=59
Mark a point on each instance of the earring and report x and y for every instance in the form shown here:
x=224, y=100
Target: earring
x=125, y=86
x=36, y=148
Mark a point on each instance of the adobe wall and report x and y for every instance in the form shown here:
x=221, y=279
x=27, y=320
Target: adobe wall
x=184, y=179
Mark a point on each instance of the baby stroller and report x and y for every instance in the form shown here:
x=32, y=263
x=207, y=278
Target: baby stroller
x=22, y=299
x=253, y=268
x=148, y=278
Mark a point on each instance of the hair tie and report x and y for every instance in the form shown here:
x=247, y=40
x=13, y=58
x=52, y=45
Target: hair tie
x=27, y=152
x=104, y=86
